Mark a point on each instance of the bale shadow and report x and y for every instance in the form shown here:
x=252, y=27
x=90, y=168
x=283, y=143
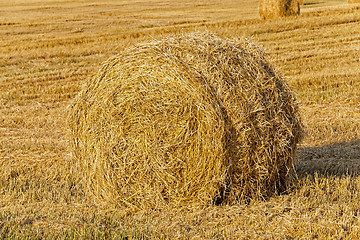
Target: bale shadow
x=336, y=159
x=313, y=3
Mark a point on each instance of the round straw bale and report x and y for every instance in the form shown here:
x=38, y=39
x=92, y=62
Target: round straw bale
x=193, y=119
x=270, y=9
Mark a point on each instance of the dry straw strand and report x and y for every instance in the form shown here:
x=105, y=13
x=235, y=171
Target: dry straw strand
x=271, y=9
x=192, y=119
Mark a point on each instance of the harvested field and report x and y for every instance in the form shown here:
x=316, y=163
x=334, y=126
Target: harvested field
x=50, y=48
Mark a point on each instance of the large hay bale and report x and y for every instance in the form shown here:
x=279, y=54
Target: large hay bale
x=193, y=119
x=270, y=9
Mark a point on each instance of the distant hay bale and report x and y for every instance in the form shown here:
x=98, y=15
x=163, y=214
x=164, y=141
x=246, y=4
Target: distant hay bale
x=193, y=119
x=270, y=9
x=353, y=1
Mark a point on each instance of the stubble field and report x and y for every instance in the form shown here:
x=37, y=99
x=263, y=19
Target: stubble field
x=49, y=48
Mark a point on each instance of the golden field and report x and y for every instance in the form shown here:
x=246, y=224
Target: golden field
x=49, y=48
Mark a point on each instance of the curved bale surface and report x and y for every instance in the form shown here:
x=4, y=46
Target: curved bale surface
x=271, y=9
x=193, y=119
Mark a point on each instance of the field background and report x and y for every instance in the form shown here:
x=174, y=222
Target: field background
x=49, y=48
